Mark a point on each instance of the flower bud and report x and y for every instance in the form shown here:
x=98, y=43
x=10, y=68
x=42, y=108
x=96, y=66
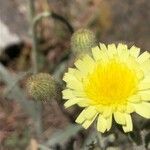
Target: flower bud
x=41, y=86
x=82, y=41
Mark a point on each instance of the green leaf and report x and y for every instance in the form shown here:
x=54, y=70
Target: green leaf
x=62, y=136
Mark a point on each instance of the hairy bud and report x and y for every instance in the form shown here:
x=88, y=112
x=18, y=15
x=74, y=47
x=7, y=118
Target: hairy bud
x=82, y=41
x=41, y=86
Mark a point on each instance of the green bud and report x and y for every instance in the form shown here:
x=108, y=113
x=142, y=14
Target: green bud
x=41, y=86
x=82, y=41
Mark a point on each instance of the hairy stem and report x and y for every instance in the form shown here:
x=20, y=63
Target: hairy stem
x=34, y=37
x=34, y=55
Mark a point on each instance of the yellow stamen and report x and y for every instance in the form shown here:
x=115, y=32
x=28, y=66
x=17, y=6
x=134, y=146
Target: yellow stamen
x=110, y=83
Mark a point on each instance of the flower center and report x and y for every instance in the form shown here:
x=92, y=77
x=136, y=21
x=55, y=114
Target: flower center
x=110, y=83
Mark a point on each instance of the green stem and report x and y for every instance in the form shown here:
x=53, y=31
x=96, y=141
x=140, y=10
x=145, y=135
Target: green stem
x=38, y=119
x=34, y=37
x=54, y=16
x=34, y=55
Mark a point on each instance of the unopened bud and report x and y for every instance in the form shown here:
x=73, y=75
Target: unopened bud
x=41, y=86
x=82, y=41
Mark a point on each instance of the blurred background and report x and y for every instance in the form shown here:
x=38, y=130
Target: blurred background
x=112, y=21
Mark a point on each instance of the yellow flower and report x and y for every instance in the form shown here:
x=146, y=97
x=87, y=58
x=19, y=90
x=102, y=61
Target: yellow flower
x=115, y=82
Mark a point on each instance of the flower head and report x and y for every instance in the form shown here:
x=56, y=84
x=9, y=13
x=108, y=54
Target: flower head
x=115, y=82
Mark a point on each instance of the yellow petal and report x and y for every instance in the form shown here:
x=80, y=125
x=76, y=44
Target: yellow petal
x=76, y=73
x=112, y=50
x=122, y=51
x=143, y=57
x=75, y=85
x=130, y=108
x=146, y=78
x=84, y=103
x=87, y=113
x=89, y=61
x=80, y=94
x=135, y=99
x=81, y=66
x=129, y=126
x=86, y=65
x=107, y=112
x=139, y=74
x=144, y=86
x=145, y=67
x=143, y=109
x=121, y=47
x=72, y=82
x=131, y=63
x=104, y=52
x=119, y=117
x=96, y=53
x=109, y=122
x=68, y=77
x=81, y=118
x=144, y=82
x=101, y=124
x=100, y=108
x=145, y=95
x=134, y=51
x=72, y=101
x=125, y=129
x=90, y=112
x=121, y=108
x=103, y=47
x=87, y=123
x=67, y=94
